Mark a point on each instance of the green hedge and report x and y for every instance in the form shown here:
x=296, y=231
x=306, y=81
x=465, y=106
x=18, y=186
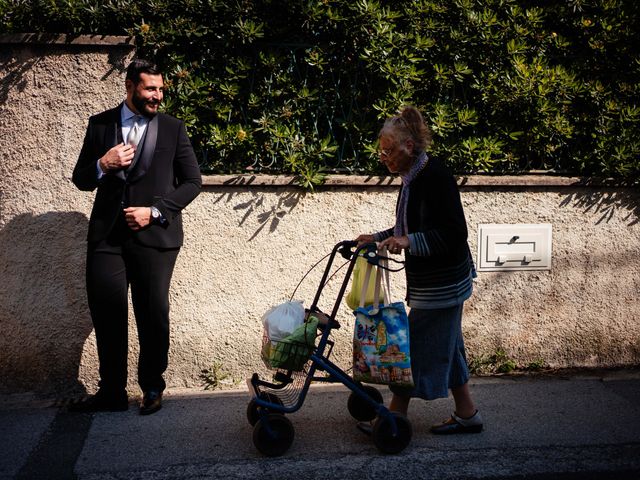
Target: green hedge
x=301, y=87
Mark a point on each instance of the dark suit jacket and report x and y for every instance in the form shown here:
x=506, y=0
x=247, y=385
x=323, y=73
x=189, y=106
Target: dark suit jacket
x=164, y=174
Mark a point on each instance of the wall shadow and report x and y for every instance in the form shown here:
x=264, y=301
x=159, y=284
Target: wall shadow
x=14, y=76
x=606, y=203
x=266, y=215
x=18, y=62
x=44, y=315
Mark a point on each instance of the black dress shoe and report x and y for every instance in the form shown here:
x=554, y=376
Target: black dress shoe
x=102, y=401
x=151, y=402
x=457, y=424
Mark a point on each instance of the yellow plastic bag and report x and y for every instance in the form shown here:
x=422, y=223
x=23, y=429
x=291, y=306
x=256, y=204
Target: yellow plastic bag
x=357, y=282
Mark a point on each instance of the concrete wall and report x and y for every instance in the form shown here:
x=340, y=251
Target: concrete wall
x=250, y=241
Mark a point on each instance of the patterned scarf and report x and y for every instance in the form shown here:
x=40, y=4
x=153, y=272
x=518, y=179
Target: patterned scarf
x=402, y=227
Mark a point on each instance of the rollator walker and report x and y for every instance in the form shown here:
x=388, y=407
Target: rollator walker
x=272, y=401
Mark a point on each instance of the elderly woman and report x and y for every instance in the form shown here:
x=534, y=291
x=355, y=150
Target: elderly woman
x=431, y=230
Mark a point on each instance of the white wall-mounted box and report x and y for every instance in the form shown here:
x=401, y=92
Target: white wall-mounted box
x=514, y=247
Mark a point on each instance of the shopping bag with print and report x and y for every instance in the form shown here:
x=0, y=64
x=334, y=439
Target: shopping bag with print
x=381, y=338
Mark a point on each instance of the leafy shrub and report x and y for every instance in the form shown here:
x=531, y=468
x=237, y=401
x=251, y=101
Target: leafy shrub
x=214, y=377
x=498, y=362
x=290, y=86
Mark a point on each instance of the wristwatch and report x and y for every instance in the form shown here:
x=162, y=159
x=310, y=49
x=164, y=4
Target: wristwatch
x=156, y=216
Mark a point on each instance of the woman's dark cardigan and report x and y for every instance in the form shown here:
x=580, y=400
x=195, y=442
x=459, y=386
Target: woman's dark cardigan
x=438, y=264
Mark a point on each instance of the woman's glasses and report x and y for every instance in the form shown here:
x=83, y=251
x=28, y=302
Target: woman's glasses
x=384, y=154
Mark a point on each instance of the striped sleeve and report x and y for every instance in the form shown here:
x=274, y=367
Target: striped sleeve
x=425, y=244
x=418, y=245
x=383, y=235
x=440, y=288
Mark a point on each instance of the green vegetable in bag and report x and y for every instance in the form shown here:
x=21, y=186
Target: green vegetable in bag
x=293, y=351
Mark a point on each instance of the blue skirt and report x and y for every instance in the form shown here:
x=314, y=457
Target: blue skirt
x=438, y=359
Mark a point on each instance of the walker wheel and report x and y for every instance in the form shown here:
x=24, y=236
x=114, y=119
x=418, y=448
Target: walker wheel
x=384, y=438
x=253, y=410
x=358, y=406
x=273, y=435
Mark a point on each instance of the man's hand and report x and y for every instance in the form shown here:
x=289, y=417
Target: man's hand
x=137, y=217
x=117, y=158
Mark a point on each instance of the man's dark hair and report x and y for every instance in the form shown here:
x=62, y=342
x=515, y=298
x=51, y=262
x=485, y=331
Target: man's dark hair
x=140, y=65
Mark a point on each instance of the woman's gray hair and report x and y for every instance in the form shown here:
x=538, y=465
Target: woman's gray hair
x=408, y=124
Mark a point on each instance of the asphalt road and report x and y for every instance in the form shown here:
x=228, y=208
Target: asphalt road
x=579, y=426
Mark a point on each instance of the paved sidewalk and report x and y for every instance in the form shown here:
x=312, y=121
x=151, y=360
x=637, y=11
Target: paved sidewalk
x=579, y=426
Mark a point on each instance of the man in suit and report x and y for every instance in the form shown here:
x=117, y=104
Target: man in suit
x=145, y=171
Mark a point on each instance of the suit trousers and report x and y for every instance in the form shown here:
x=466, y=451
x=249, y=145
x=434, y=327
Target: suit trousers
x=113, y=265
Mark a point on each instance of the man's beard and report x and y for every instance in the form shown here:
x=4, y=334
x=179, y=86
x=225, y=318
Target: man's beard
x=140, y=105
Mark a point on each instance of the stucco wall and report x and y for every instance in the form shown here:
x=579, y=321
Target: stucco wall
x=247, y=247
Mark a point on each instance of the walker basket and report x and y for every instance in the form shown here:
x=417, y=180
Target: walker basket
x=290, y=353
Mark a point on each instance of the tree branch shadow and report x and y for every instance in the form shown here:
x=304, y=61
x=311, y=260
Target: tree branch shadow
x=287, y=201
x=14, y=78
x=257, y=205
x=607, y=203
